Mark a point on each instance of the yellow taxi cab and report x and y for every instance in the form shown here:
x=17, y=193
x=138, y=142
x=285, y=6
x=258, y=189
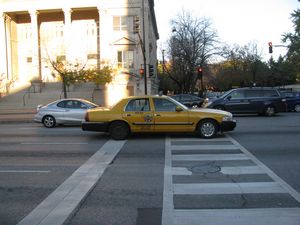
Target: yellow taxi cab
x=156, y=114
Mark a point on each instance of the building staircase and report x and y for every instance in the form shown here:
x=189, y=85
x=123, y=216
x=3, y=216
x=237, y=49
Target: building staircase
x=28, y=98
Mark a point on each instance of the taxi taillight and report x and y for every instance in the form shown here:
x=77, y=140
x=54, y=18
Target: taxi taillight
x=86, y=118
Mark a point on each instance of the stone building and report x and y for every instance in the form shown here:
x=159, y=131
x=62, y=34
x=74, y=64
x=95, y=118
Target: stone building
x=91, y=32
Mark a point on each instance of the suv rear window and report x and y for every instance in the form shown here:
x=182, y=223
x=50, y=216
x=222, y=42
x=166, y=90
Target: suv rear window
x=270, y=93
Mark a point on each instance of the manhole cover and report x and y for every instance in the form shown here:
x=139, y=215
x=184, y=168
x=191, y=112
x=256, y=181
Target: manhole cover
x=205, y=168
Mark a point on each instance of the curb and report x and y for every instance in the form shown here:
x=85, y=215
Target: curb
x=16, y=118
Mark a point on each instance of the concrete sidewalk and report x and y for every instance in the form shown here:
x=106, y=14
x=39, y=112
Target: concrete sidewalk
x=17, y=115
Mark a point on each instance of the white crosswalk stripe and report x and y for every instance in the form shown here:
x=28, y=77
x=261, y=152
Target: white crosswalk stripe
x=242, y=170
x=206, y=157
x=204, y=147
x=205, y=170
x=227, y=188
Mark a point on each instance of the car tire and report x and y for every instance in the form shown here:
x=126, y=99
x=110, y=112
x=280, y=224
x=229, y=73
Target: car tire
x=49, y=121
x=297, y=108
x=270, y=110
x=119, y=130
x=207, y=129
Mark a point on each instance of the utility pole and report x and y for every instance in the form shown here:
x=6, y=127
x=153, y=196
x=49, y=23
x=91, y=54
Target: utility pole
x=144, y=48
x=163, y=60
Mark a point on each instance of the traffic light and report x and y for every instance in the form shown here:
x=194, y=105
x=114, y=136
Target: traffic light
x=270, y=47
x=141, y=71
x=136, y=24
x=151, y=70
x=199, y=72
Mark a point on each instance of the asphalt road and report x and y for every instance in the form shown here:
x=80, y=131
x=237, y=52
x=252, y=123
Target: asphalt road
x=275, y=141
x=34, y=161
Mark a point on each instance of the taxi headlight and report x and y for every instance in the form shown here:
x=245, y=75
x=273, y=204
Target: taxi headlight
x=227, y=118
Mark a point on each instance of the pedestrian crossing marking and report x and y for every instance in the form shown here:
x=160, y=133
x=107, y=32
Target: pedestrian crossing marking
x=207, y=157
x=187, y=184
x=228, y=188
x=204, y=147
x=242, y=170
x=261, y=216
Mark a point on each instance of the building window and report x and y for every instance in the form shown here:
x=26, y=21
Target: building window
x=125, y=59
x=92, y=56
x=59, y=30
x=28, y=32
x=123, y=23
x=91, y=29
x=29, y=59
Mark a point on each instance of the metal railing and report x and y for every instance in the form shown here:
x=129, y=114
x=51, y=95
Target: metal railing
x=26, y=93
x=32, y=89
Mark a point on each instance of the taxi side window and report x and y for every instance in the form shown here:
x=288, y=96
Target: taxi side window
x=138, y=105
x=164, y=105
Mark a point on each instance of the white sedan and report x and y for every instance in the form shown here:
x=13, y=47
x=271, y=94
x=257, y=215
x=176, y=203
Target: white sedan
x=63, y=111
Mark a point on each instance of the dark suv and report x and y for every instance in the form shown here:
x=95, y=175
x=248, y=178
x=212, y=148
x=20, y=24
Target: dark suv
x=292, y=100
x=191, y=101
x=261, y=100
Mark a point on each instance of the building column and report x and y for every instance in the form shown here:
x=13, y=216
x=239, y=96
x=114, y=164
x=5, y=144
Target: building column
x=7, y=41
x=98, y=38
x=3, y=56
x=68, y=33
x=35, y=45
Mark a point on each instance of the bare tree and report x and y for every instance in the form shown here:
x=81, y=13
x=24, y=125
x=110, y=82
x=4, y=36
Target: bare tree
x=243, y=60
x=240, y=66
x=192, y=44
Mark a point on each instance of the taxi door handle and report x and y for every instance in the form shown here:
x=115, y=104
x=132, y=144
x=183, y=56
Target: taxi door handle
x=156, y=114
x=128, y=115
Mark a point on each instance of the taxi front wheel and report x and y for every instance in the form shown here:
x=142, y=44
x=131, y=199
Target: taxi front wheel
x=207, y=129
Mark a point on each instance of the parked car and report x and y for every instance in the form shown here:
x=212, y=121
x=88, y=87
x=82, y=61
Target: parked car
x=292, y=100
x=210, y=95
x=156, y=114
x=63, y=111
x=261, y=100
x=188, y=100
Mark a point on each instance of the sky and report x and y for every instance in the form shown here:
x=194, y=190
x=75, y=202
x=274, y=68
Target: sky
x=236, y=21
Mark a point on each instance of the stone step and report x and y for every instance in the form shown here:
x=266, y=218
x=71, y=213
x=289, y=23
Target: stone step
x=23, y=99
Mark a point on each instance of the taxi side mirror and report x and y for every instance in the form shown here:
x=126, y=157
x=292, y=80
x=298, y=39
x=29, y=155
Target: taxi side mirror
x=178, y=109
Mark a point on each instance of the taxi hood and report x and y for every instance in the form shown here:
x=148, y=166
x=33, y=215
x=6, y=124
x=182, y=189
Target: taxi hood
x=216, y=111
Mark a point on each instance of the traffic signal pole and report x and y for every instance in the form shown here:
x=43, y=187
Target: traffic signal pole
x=144, y=48
x=142, y=71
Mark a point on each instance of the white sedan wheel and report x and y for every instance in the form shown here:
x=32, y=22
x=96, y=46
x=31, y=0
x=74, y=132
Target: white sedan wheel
x=49, y=121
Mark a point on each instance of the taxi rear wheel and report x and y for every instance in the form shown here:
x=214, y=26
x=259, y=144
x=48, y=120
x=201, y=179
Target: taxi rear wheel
x=207, y=129
x=119, y=130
